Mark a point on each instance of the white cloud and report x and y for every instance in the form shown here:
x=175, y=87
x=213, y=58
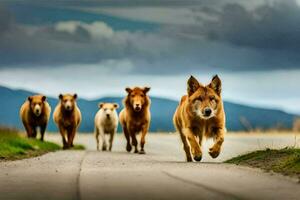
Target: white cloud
x=97, y=29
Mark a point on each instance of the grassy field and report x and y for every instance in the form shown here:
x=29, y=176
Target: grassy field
x=15, y=146
x=285, y=161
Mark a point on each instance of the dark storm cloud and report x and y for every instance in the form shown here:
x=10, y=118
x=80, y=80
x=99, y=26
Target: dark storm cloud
x=269, y=26
x=74, y=42
x=231, y=37
x=118, y=3
x=6, y=19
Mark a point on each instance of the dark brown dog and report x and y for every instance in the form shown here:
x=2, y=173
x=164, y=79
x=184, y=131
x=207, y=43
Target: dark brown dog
x=201, y=114
x=135, y=117
x=35, y=112
x=67, y=117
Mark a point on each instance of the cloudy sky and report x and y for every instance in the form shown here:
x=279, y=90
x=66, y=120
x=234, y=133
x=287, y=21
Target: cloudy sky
x=96, y=48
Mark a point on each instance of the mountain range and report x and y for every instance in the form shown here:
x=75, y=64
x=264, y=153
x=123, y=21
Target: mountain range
x=238, y=117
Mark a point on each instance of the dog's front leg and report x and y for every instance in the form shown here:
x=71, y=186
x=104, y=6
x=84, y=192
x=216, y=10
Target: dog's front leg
x=186, y=147
x=143, y=137
x=195, y=147
x=127, y=136
x=215, y=150
x=63, y=135
x=134, y=140
x=97, y=133
x=111, y=139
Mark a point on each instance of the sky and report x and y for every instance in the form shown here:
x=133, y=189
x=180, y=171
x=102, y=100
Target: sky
x=97, y=48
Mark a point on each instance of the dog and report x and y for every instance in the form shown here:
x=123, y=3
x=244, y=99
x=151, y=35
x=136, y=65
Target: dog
x=35, y=112
x=135, y=117
x=106, y=122
x=67, y=117
x=201, y=114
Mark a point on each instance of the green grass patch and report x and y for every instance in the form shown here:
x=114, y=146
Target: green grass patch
x=14, y=146
x=78, y=147
x=285, y=161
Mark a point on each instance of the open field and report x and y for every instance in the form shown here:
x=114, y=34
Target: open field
x=160, y=174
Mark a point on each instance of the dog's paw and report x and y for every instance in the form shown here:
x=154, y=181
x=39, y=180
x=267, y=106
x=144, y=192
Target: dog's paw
x=136, y=151
x=198, y=158
x=65, y=146
x=142, y=151
x=128, y=148
x=214, y=152
x=104, y=148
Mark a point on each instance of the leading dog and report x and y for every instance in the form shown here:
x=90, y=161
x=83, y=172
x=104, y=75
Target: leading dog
x=135, y=117
x=201, y=114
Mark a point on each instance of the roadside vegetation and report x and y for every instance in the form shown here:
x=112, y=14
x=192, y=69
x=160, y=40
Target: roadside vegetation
x=285, y=161
x=15, y=146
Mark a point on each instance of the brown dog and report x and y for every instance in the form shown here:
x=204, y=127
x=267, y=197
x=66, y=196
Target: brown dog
x=35, y=112
x=135, y=117
x=67, y=117
x=200, y=114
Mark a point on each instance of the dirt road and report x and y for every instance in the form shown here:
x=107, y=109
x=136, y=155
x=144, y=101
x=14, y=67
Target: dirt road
x=160, y=174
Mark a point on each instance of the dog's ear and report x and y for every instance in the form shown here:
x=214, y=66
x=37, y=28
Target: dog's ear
x=29, y=99
x=216, y=84
x=116, y=106
x=100, y=105
x=192, y=85
x=128, y=90
x=146, y=89
x=75, y=96
x=60, y=96
x=44, y=98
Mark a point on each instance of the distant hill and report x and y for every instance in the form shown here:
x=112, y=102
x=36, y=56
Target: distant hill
x=239, y=117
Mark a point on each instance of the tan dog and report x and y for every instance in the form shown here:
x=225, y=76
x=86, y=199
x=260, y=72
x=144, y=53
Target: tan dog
x=199, y=114
x=35, y=112
x=67, y=117
x=135, y=117
x=106, y=122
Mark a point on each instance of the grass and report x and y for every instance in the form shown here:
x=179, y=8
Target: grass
x=14, y=146
x=285, y=161
x=78, y=147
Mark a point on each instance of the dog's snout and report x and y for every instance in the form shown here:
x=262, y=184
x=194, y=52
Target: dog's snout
x=137, y=108
x=207, y=111
x=37, y=110
x=107, y=115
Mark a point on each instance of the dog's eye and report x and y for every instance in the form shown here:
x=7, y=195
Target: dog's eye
x=211, y=98
x=200, y=99
x=142, y=95
x=132, y=95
